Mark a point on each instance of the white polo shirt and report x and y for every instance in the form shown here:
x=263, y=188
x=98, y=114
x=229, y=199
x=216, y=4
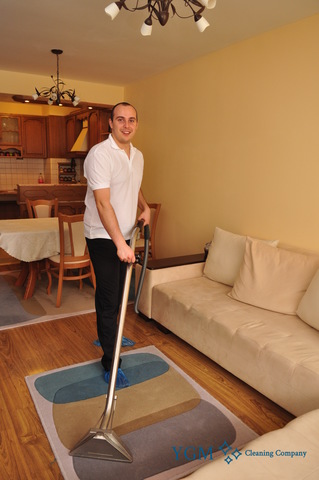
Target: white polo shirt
x=108, y=166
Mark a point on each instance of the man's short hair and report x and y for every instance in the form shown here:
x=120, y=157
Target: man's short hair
x=125, y=104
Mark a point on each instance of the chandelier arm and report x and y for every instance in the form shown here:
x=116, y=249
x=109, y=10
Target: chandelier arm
x=136, y=8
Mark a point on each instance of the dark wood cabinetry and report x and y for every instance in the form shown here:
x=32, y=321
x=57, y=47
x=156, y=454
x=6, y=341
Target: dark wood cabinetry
x=56, y=136
x=98, y=123
x=70, y=132
x=34, y=143
x=53, y=136
x=10, y=131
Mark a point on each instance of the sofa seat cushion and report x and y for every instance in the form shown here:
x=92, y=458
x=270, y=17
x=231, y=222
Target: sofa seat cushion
x=261, y=347
x=299, y=435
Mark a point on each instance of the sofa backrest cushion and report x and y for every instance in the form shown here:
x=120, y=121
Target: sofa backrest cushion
x=273, y=278
x=225, y=256
x=308, y=308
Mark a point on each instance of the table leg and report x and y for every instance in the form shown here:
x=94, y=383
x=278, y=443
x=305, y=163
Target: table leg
x=29, y=274
x=23, y=274
x=32, y=279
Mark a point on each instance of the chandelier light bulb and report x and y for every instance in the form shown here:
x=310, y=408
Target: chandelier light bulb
x=76, y=101
x=50, y=102
x=146, y=28
x=208, y=3
x=35, y=96
x=201, y=23
x=112, y=10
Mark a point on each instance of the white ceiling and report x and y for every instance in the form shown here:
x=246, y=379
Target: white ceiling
x=98, y=49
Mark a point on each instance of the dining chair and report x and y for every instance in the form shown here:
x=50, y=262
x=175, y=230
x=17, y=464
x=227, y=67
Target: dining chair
x=42, y=208
x=139, y=248
x=73, y=262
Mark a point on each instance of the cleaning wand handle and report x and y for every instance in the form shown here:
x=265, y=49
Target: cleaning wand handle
x=106, y=422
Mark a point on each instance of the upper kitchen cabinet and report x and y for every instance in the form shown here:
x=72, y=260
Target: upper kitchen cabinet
x=34, y=143
x=56, y=136
x=85, y=129
x=98, y=124
x=74, y=127
x=10, y=131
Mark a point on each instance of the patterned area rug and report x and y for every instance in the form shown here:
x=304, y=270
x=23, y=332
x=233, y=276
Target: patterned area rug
x=166, y=420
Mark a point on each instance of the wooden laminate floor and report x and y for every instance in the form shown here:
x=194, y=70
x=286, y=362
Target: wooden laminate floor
x=25, y=452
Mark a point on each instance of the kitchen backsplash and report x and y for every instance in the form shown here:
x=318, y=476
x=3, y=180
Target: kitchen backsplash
x=27, y=170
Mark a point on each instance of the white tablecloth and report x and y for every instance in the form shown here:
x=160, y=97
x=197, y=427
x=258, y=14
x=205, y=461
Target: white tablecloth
x=30, y=239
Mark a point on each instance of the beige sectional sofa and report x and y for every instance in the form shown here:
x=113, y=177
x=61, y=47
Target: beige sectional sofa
x=253, y=308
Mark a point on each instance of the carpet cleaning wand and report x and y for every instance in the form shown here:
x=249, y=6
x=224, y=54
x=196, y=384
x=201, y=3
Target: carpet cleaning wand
x=102, y=442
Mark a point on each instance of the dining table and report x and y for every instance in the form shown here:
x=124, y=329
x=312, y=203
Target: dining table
x=30, y=240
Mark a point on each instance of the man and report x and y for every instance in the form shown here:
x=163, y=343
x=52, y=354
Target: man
x=114, y=171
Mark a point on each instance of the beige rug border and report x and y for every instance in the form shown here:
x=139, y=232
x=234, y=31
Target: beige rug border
x=45, y=318
x=65, y=462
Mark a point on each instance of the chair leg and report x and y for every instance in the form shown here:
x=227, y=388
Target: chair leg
x=60, y=285
x=47, y=268
x=80, y=279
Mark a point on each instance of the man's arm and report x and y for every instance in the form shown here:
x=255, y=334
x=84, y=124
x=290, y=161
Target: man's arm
x=145, y=209
x=110, y=223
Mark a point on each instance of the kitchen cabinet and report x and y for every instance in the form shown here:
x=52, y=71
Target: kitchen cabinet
x=98, y=124
x=74, y=123
x=70, y=132
x=52, y=136
x=10, y=131
x=34, y=143
x=56, y=136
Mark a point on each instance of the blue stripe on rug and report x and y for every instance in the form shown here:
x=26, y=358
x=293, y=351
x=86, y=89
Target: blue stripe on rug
x=87, y=381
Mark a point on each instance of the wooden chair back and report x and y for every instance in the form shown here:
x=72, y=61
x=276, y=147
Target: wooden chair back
x=42, y=208
x=73, y=262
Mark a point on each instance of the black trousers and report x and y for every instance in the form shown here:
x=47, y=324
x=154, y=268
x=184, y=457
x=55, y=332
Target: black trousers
x=110, y=276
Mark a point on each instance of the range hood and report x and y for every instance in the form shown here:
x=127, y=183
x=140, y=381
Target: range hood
x=81, y=143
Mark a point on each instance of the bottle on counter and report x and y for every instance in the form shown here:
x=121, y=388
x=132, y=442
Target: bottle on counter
x=40, y=179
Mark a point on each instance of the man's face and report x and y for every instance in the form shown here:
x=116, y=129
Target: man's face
x=124, y=124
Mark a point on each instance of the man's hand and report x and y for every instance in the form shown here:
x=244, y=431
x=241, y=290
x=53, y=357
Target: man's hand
x=125, y=253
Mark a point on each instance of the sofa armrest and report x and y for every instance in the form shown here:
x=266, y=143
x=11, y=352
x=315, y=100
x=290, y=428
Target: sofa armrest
x=163, y=275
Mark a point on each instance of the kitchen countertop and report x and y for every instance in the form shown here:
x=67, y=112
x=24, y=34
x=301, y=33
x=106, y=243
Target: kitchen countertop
x=8, y=195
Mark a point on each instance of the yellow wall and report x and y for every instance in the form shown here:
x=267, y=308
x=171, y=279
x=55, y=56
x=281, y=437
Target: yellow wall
x=232, y=140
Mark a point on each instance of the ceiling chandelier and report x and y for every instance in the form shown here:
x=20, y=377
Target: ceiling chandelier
x=56, y=94
x=161, y=9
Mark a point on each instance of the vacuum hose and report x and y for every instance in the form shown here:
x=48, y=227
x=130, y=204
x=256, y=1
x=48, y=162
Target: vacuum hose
x=141, y=280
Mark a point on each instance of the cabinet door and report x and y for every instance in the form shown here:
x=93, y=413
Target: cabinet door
x=70, y=133
x=10, y=134
x=105, y=129
x=34, y=137
x=56, y=136
x=93, y=125
x=98, y=126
